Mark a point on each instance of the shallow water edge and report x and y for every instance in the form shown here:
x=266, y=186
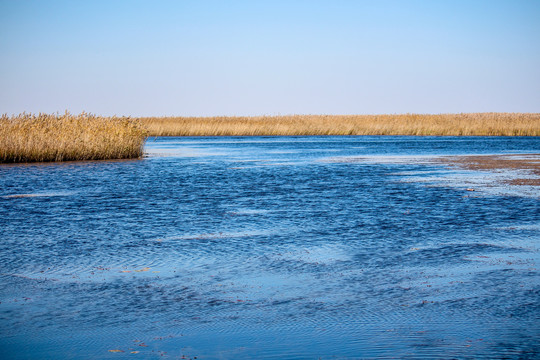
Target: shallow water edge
x=302, y=247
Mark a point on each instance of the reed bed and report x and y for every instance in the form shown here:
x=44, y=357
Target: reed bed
x=43, y=137
x=479, y=124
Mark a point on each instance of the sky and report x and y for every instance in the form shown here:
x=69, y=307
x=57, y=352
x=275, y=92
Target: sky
x=269, y=57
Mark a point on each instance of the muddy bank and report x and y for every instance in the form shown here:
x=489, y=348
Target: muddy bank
x=525, y=166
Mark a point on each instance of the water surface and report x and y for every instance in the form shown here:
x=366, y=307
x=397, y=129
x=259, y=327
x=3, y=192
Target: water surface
x=271, y=247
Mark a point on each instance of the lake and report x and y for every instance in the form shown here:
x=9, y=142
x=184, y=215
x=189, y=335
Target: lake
x=272, y=247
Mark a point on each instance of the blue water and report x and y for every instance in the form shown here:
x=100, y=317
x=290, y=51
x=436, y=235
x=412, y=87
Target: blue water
x=270, y=247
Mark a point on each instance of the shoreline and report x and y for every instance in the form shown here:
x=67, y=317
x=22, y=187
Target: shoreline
x=465, y=124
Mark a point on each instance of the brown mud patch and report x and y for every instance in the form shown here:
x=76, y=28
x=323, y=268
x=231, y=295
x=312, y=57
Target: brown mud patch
x=524, y=163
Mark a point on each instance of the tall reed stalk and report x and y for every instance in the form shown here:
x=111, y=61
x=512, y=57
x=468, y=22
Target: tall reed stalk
x=43, y=137
x=485, y=124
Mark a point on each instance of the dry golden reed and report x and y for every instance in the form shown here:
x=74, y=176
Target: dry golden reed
x=43, y=137
x=480, y=124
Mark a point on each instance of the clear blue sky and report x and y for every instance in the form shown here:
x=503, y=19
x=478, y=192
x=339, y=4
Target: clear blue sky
x=200, y=58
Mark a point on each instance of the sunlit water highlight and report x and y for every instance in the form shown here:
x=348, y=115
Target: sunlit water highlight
x=286, y=247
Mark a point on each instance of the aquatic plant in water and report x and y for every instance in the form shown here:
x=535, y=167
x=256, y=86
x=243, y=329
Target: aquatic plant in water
x=45, y=137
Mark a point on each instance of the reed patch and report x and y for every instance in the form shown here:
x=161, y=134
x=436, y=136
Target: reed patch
x=66, y=137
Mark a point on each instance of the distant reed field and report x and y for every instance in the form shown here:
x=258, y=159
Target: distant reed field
x=480, y=124
x=43, y=137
